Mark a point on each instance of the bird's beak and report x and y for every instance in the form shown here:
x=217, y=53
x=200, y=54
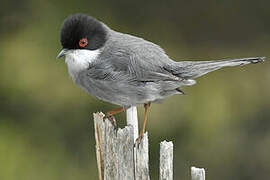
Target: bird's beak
x=63, y=52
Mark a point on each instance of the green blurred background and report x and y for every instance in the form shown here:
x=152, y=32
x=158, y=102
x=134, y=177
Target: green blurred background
x=223, y=124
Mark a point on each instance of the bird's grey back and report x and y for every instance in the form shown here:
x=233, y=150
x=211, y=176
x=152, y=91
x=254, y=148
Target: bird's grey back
x=141, y=55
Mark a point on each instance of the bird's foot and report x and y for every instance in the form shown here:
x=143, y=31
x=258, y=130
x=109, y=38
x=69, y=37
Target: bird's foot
x=110, y=118
x=138, y=140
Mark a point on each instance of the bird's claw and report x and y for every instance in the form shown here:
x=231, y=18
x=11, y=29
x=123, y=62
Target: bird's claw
x=110, y=118
x=138, y=140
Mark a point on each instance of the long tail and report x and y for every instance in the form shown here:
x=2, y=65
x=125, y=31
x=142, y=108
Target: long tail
x=194, y=69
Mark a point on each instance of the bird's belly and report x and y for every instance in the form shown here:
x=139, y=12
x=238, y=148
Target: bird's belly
x=119, y=93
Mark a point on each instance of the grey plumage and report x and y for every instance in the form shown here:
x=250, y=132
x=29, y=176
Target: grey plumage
x=194, y=69
x=129, y=71
x=132, y=71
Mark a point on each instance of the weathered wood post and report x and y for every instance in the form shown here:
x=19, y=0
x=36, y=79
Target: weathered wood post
x=120, y=157
x=132, y=120
x=166, y=161
x=197, y=173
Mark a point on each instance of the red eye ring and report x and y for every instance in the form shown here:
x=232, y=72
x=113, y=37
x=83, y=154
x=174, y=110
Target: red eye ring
x=83, y=42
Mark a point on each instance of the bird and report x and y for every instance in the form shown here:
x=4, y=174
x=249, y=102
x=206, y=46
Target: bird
x=126, y=70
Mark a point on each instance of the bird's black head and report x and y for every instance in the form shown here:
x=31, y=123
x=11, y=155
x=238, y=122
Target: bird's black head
x=80, y=31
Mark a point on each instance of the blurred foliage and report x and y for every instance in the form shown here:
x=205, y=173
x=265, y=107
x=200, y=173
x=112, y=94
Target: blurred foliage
x=46, y=125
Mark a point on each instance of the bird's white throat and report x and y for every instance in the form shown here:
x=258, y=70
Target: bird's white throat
x=79, y=60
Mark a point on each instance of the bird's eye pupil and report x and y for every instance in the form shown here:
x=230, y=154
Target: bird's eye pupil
x=83, y=42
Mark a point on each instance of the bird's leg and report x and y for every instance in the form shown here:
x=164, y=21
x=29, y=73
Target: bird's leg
x=110, y=114
x=146, y=110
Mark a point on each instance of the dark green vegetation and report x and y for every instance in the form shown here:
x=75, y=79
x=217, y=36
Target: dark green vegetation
x=223, y=124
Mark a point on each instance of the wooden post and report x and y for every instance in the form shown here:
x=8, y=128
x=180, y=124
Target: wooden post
x=125, y=153
x=119, y=158
x=166, y=161
x=99, y=136
x=132, y=120
x=197, y=173
x=141, y=156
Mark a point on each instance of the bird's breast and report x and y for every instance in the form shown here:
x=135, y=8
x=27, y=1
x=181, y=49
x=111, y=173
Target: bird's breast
x=79, y=60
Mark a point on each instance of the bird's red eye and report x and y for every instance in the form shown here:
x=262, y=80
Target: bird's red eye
x=83, y=42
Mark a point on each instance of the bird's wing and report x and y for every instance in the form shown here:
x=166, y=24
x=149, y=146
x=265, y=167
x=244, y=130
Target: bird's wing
x=120, y=69
x=126, y=57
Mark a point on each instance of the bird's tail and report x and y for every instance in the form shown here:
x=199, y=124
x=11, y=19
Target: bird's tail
x=194, y=69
